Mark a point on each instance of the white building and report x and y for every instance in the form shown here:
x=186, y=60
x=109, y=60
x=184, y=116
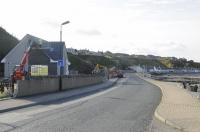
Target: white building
x=72, y=51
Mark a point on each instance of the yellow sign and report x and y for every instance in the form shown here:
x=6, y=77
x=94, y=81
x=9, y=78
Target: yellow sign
x=39, y=70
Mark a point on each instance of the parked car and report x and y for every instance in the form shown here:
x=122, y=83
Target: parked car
x=120, y=75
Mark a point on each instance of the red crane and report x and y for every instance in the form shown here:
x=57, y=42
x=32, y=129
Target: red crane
x=19, y=72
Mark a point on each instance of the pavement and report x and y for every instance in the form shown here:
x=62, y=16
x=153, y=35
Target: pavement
x=127, y=106
x=177, y=108
x=10, y=104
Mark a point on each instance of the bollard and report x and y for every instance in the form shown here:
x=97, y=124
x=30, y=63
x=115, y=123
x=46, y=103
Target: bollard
x=195, y=88
x=184, y=85
x=60, y=83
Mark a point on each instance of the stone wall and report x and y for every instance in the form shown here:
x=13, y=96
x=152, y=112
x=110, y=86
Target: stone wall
x=75, y=82
x=43, y=85
x=37, y=86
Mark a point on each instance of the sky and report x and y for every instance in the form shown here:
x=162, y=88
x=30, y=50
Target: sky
x=156, y=27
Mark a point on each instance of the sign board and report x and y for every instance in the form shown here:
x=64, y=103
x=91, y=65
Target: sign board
x=60, y=63
x=39, y=70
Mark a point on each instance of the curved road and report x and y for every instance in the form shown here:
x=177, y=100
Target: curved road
x=126, y=107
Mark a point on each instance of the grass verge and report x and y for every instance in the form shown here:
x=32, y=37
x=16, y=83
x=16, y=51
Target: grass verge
x=3, y=95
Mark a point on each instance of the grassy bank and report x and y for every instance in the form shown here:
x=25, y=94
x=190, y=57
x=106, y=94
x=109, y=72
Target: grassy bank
x=3, y=95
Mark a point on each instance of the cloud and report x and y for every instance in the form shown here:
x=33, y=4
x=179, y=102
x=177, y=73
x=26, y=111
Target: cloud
x=155, y=2
x=92, y=32
x=163, y=2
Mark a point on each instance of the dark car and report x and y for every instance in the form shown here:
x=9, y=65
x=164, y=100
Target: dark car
x=120, y=75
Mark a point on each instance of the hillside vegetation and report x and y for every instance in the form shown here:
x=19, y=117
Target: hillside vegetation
x=125, y=60
x=179, y=63
x=86, y=63
x=80, y=65
x=98, y=60
x=7, y=42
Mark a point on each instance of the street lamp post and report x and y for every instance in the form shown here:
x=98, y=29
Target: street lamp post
x=61, y=29
x=60, y=76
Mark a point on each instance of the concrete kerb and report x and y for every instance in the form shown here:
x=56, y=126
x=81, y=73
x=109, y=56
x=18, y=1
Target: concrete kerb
x=19, y=107
x=167, y=122
x=158, y=116
x=59, y=98
x=6, y=98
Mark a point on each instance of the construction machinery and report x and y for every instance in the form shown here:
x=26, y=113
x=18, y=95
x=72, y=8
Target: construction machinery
x=102, y=70
x=19, y=73
x=98, y=68
x=115, y=72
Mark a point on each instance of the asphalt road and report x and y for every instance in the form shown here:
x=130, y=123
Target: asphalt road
x=126, y=107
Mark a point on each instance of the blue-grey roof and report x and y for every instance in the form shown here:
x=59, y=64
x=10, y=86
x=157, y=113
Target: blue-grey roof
x=54, y=50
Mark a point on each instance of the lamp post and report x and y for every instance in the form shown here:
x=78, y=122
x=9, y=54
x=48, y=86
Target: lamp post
x=60, y=76
x=64, y=23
